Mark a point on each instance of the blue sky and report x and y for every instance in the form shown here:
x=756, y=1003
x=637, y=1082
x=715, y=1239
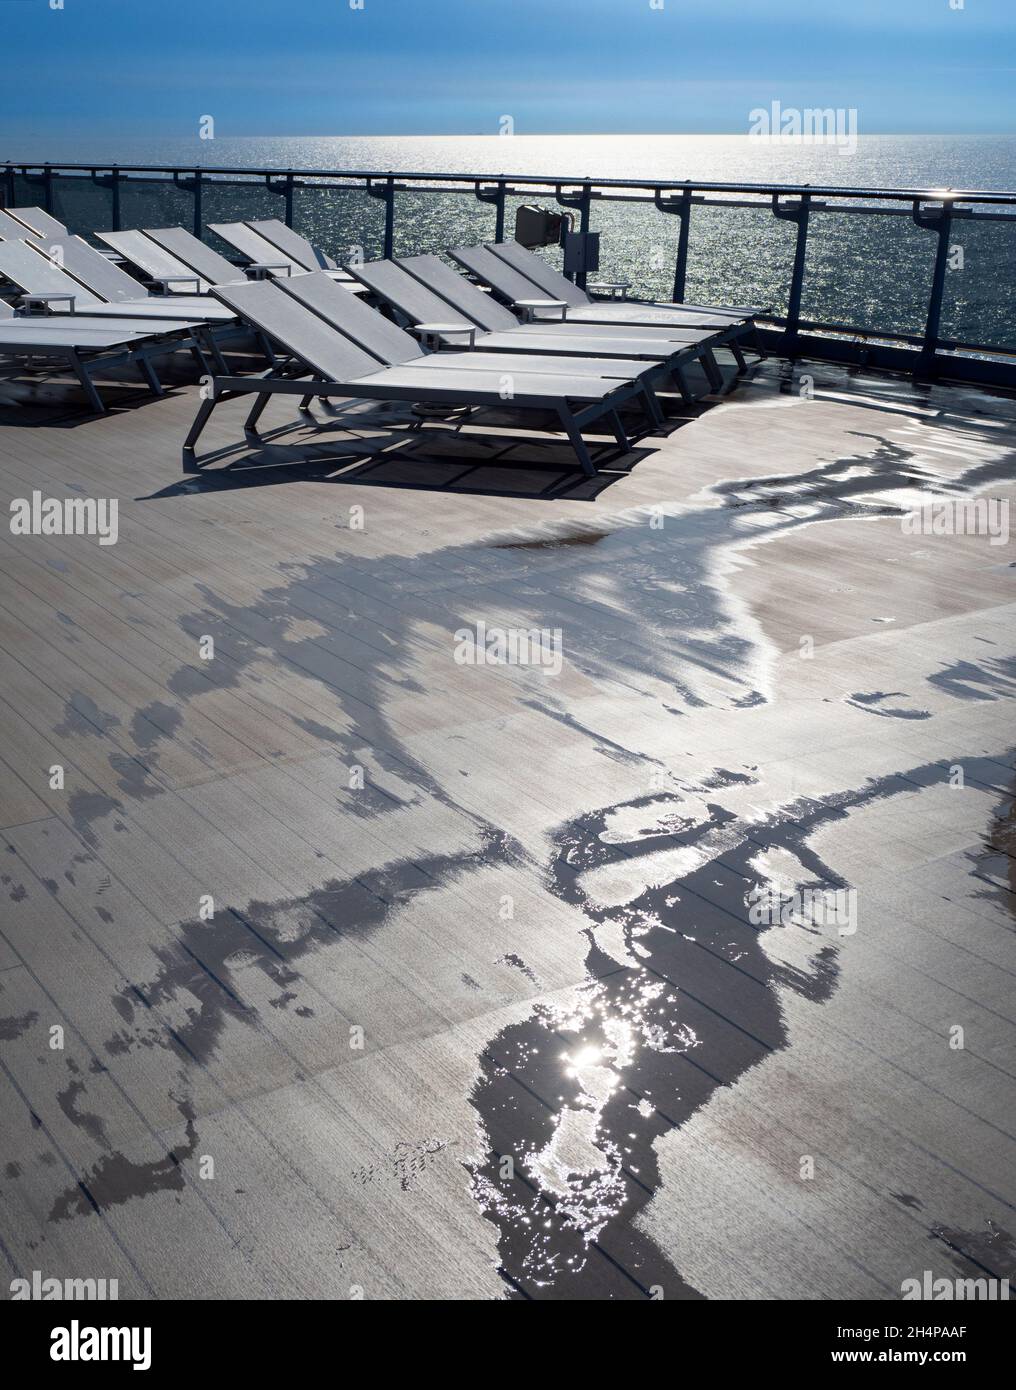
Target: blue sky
x=320, y=67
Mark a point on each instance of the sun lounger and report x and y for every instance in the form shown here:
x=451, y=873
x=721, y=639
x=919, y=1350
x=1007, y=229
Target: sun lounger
x=440, y=321
x=38, y=221
x=605, y=340
x=504, y=281
x=257, y=249
x=10, y=228
x=304, y=252
x=554, y=286
x=509, y=285
x=46, y=286
x=56, y=294
x=418, y=302
x=393, y=346
x=105, y=284
x=168, y=271
x=84, y=345
x=535, y=303
x=50, y=289
x=192, y=252
x=264, y=253
x=341, y=368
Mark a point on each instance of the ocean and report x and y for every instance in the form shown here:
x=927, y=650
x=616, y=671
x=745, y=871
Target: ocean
x=872, y=272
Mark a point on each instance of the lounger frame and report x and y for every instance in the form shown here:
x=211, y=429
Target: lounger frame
x=667, y=363
x=81, y=359
x=573, y=421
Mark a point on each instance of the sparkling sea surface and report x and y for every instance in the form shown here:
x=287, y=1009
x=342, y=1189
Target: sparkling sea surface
x=872, y=272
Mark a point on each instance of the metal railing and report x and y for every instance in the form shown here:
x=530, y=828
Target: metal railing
x=935, y=211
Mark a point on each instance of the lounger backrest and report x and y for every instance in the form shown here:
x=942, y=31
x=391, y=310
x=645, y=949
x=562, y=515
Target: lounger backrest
x=91, y=267
x=405, y=292
x=550, y=281
x=344, y=311
x=150, y=257
x=39, y=221
x=195, y=254
x=36, y=274
x=254, y=246
x=6, y=312
x=298, y=329
x=293, y=244
x=459, y=292
x=506, y=282
x=11, y=229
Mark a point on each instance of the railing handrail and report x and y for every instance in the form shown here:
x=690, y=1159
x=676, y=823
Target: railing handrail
x=923, y=194
x=935, y=210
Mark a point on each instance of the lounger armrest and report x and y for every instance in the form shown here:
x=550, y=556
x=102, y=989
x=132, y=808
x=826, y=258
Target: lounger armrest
x=165, y=283
x=431, y=335
x=613, y=287
x=32, y=303
x=531, y=308
x=261, y=270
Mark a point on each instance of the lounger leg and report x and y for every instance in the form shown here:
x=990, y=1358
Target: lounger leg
x=198, y=353
x=256, y=410
x=577, y=442
x=266, y=348
x=306, y=400
x=616, y=425
x=681, y=382
x=207, y=345
x=712, y=370
x=200, y=420
x=148, y=374
x=739, y=358
x=94, y=399
x=651, y=406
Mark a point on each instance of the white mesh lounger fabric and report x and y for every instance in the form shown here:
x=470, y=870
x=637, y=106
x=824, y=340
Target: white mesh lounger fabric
x=105, y=284
x=39, y=221
x=418, y=302
x=676, y=344
x=552, y=283
x=392, y=345
x=194, y=254
x=156, y=262
x=258, y=247
x=304, y=252
x=38, y=276
x=511, y=286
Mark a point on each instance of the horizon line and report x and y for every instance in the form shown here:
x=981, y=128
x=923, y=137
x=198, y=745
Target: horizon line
x=493, y=135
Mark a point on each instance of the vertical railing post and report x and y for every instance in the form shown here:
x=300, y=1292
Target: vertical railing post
x=678, y=207
x=941, y=223
x=389, y=217
x=799, y=213
x=114, y=183
x=499, y=218
x=585, y=203
x=10, y=196
x=497, y=199
x=289, y=199
x=47, y=197
x=681, y=264
x=386, y=191
x=198, y=216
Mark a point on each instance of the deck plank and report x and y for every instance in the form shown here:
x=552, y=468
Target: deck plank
x=532, y=908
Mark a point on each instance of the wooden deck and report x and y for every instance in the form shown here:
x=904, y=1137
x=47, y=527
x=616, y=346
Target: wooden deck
x=380, y=973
